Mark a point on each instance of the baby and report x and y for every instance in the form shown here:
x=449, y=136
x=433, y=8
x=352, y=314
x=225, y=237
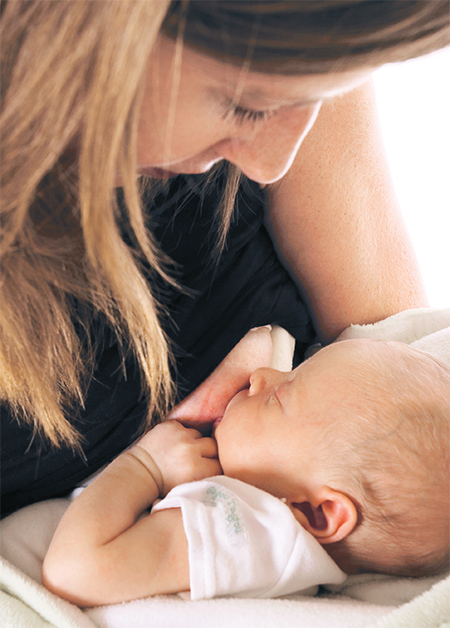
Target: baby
x=348, y=453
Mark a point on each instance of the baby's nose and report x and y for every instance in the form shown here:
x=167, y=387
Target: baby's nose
x=257, y=382
x=260, y=379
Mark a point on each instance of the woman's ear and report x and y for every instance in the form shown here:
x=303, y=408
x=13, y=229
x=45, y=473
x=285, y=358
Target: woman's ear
x=328, y=515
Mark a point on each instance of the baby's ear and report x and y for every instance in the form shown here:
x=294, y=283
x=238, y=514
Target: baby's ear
x=328, y=515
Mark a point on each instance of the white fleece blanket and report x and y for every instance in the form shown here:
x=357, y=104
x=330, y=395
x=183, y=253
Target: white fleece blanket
x=369, y=601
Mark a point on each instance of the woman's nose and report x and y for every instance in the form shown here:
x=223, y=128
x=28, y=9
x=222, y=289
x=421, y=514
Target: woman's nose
x=266, y=155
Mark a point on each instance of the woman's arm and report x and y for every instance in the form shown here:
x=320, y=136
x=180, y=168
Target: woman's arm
x=102, y=551
x=336, y=222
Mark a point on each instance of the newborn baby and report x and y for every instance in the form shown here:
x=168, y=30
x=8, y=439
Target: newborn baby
x=351, y=449
x=357, y=441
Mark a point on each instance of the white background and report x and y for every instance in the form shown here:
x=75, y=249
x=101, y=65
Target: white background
x=414, y=108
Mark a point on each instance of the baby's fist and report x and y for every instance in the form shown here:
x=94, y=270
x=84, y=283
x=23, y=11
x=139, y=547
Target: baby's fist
x=181, y=454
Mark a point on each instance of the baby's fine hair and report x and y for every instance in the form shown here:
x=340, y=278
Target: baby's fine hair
x=394, y=462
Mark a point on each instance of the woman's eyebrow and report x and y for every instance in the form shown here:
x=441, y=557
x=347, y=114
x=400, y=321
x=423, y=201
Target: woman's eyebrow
x=260, y=98
x=265, y=100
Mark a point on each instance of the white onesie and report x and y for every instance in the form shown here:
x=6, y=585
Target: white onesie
x=247, y=543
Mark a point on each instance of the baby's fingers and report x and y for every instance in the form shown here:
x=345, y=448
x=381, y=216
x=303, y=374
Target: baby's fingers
x=209, y=468
x=208, y=447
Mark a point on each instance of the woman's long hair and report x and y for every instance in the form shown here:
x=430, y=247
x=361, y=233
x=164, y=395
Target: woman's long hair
x=72, y=77
x=64, y=261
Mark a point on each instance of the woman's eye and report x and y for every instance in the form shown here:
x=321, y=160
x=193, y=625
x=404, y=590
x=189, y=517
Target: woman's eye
x=240, y=115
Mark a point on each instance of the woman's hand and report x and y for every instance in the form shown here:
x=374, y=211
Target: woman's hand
x=209, y=400
x=180, y=454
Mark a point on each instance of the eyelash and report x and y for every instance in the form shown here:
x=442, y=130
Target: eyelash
x=241, y=115
x=274, y=397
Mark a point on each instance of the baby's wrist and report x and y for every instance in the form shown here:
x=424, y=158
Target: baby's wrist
x=152, y=468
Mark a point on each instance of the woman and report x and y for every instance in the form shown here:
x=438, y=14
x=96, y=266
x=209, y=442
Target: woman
x=97, y=292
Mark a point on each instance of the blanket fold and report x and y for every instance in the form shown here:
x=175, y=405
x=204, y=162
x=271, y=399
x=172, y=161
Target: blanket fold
x=426, y=329
x=24, y=603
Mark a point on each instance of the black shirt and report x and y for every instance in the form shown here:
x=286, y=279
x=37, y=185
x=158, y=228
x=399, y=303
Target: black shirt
x=247, y=287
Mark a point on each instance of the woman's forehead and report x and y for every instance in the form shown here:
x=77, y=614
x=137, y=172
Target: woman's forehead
x=270, y=90
x=264, y=90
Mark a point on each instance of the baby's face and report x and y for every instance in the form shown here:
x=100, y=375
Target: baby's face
x=273, y=435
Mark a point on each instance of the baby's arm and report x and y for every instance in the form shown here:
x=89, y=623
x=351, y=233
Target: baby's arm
x=102, y=553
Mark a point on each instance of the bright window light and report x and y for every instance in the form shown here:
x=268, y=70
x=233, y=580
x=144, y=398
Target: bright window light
x=414, y=106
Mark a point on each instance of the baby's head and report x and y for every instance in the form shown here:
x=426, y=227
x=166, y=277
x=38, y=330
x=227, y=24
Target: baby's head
x=357, y=441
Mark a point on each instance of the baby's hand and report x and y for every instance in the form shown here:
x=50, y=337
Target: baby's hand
x=181, y=454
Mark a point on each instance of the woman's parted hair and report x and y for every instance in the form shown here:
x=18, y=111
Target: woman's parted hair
x=308, y=36
x=72, y=77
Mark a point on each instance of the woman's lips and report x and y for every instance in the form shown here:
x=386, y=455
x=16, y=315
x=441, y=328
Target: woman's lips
x=186, y=169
